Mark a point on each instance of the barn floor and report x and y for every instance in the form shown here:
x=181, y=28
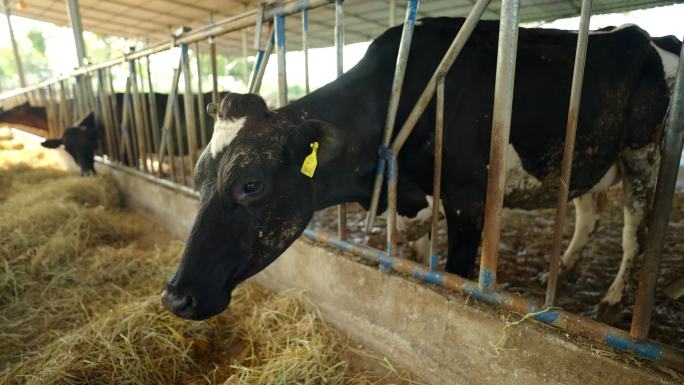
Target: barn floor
x=526, y=244
x=79, y=299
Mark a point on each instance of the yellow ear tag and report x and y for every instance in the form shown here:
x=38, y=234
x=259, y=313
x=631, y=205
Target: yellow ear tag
x=310, y=162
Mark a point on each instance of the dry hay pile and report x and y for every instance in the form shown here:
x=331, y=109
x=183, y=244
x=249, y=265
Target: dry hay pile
x=79, y=301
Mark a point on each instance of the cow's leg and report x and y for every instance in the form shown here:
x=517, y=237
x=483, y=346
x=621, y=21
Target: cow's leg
x=639, y=169
x=464, y=210
x=586, y=217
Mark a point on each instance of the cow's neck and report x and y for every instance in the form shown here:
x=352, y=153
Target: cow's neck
x=349, y=177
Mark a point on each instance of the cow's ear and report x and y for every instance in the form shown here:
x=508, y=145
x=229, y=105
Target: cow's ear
x=52, y=143
x=330, y=143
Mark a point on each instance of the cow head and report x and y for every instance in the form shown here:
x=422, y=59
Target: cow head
x=254, y=201
x=80, y=143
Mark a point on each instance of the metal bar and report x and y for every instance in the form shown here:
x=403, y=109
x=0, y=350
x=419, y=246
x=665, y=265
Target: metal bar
x=305, y=49
x=261, y=63
x=449, y=57
x=189, y=106
x=393, y=12
x=501, y=125
x=214, y=74
x=74, y=14
x=392, y=178
x=258, y=26
x=280, y=52
x=339, y=49
x=147, y=124
x=138, y=120
x=17, y=57
x=168, y=124
x=107, y=119
x=200, y=98
x=154, y=114
x=65, y=118
x=397, y=82
x=187, y=191
x=125, y=147
x=179, y=141
x=605, y=334
x=566, y=166
x=437, y=178
x=231, y=24
x=245, y=71
x=662, y=207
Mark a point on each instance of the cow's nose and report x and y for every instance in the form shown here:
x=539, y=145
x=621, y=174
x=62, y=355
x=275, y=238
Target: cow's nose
x=180, y=304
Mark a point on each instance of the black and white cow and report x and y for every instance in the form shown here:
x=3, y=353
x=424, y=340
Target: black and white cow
x=255, y=201
x=80, y=142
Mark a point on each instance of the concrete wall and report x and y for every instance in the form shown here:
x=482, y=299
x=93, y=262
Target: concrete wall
x=443, y=338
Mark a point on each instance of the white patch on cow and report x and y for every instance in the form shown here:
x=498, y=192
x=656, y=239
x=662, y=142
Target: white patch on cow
x=517, y=179
x=586, y=217
x=611, y=177
x=670, y=62
x=630, y=248
x=225, y=131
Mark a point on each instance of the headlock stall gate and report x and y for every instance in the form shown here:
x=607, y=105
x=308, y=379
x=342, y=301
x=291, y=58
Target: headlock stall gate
x=136, y=140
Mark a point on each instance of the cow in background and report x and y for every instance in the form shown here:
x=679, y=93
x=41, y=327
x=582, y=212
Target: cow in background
x=80, y=142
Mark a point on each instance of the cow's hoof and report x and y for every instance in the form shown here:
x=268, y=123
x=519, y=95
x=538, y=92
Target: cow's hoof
x=608, y=313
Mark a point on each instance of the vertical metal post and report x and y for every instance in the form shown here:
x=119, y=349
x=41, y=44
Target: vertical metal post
x=437, y=178
x=501, y=125
x=397, y=83
x=168, y=125
x=566, y=166
x=74, y=14
x=154, y=112
x=200, y=96
x=107, y=119
x=114, y=103
x=189, y=106
x=339, y=48
x=179, y=141
x=258, y=27
x=147, y=124
x=393, y=12
x=280, y=51
x=305, y=48
x=662, y=207
x=214, y=74
x=261, y=63
x=15, y=49
x=245, y=71
x=137, y=114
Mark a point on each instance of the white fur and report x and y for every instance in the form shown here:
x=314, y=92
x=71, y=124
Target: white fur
x=516, y=177
x=609, y=178
x=630, y=248
x=585, y=223
x=670, y=63
x=225, y=131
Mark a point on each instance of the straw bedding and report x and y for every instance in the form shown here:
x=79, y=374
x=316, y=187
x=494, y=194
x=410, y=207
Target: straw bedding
x=79, y=299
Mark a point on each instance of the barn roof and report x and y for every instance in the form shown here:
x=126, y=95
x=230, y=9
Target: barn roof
x=155, y=20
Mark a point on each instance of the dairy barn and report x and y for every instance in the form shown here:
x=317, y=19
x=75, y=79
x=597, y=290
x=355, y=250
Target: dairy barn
x=344, y=192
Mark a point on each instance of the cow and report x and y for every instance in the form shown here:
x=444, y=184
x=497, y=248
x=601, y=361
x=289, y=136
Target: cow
x=80, y=142
x=26, y=115
x=255, y=201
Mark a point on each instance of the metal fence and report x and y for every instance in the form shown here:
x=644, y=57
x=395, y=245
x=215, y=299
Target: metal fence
x=135, y=142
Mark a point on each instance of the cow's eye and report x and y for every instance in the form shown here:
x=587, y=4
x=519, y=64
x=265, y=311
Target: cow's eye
x=251, y=187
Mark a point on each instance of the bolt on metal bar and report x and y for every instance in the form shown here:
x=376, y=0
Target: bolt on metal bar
x=572, y=323
x=447, y=61
x=214, y=74
x=280, y=52
x=662, y=207
x=305, y=49
x=189, y=107
x=339, y=49
x=501, y=125
x=261, y=63
x=437, y=179
x=395, y=95
x=200, y=96
x=569, y=147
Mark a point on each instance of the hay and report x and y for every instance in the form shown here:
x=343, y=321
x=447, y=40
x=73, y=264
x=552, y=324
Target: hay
x=79, y=301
